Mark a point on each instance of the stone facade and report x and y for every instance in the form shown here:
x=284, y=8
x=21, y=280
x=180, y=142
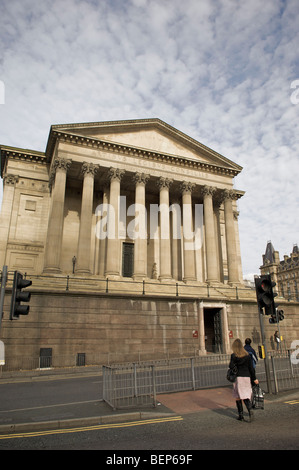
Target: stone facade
x=112, y=327
x=129, y=232
x=50, y=201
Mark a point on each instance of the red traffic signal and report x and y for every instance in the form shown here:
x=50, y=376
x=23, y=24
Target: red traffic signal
x=18, y=296
x=264, y=294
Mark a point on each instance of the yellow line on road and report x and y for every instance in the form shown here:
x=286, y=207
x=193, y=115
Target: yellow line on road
x=292, y=402
x=90, y=428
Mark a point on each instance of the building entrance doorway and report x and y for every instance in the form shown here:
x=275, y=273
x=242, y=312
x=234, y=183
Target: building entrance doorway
x=213, y=330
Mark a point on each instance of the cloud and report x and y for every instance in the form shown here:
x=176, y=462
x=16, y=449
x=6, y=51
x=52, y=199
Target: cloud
x=219, y=71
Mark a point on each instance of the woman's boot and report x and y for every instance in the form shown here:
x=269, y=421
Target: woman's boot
x=249, y=408
x=240, y=410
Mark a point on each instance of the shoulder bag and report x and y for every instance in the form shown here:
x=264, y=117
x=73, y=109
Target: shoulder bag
x=231, y=374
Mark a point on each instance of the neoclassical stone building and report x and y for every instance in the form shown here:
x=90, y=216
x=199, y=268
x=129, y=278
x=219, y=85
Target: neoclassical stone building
x=52, y=201
x=129, y=231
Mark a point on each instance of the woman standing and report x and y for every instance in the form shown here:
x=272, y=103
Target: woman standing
x=245, y=378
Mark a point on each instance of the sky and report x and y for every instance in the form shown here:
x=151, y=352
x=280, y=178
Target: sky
x=225, y=72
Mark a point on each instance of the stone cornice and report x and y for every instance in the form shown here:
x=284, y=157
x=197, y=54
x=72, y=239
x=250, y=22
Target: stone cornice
x=113, y=147
x=20, y=154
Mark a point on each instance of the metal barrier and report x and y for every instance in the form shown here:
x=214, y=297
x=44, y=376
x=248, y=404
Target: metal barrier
x=74, y=283
x=138, y=384
x=285, y=371
x=131, y=385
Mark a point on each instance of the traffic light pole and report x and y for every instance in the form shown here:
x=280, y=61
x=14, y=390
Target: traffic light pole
x=2, y=293
x=277, y=322
x=267, y=368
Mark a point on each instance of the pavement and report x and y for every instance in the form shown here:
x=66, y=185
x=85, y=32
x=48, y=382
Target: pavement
x=96, y=412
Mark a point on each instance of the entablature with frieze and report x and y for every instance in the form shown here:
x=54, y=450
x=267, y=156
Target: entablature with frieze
x=144, y=154
x=129, y=164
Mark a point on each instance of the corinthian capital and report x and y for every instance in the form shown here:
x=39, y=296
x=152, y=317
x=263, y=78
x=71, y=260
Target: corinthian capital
x=61, y=164
x=89, y=168
x=229, y=194
x=208, y=190
x=186, y=187
x=164, y=182
x=115, y=174
x=141, y=178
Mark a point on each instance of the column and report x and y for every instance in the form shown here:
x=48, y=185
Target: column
x=113, y=245
x=55, y=224
x=201, y=329
x=9, y=182
x=83, y=262
x=230, y=235
x=140, y=235
x=210, y=239
x=225, y=330
x=176, y=239
x=103, y=240
x=188, y=232
x=165, y=249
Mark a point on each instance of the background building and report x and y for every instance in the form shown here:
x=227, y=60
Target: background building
x=284, y=272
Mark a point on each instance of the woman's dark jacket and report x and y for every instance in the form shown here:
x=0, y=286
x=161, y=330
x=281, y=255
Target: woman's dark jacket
x=244, y=365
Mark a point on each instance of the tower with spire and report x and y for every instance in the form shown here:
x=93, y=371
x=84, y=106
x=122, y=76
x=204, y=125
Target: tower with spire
x=285, y=273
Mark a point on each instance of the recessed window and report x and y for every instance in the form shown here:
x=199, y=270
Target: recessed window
x=30, y=205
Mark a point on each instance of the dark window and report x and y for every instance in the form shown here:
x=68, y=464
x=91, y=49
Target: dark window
x=128, y=259
x=45, y=358
x=81, y=359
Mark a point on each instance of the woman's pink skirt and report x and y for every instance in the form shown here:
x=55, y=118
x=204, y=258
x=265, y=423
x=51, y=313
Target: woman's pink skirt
x=242, y=388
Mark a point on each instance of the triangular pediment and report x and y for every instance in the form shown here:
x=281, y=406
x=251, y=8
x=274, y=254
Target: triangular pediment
x=150, y=134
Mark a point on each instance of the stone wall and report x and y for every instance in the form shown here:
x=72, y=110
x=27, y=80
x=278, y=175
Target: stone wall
x=114, y=328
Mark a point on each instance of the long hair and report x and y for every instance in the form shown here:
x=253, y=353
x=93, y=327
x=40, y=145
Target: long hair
x=238, y=348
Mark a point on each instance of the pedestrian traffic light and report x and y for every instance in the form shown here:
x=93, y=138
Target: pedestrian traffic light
x=280, y=315
x=264, y=293
x=277, y=317
x=18, y=296
x=273, y=319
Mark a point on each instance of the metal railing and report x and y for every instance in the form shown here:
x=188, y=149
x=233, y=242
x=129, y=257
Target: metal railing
x=74, y=283
x=138, y=384
x=284, y=369
x=128, y=286
x=127, y=385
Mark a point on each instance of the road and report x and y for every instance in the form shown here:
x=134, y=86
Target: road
x=275, y=428
x=204, y=427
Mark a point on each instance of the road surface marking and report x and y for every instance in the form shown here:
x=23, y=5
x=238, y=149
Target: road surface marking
x=91, y=428
x=49, y=406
